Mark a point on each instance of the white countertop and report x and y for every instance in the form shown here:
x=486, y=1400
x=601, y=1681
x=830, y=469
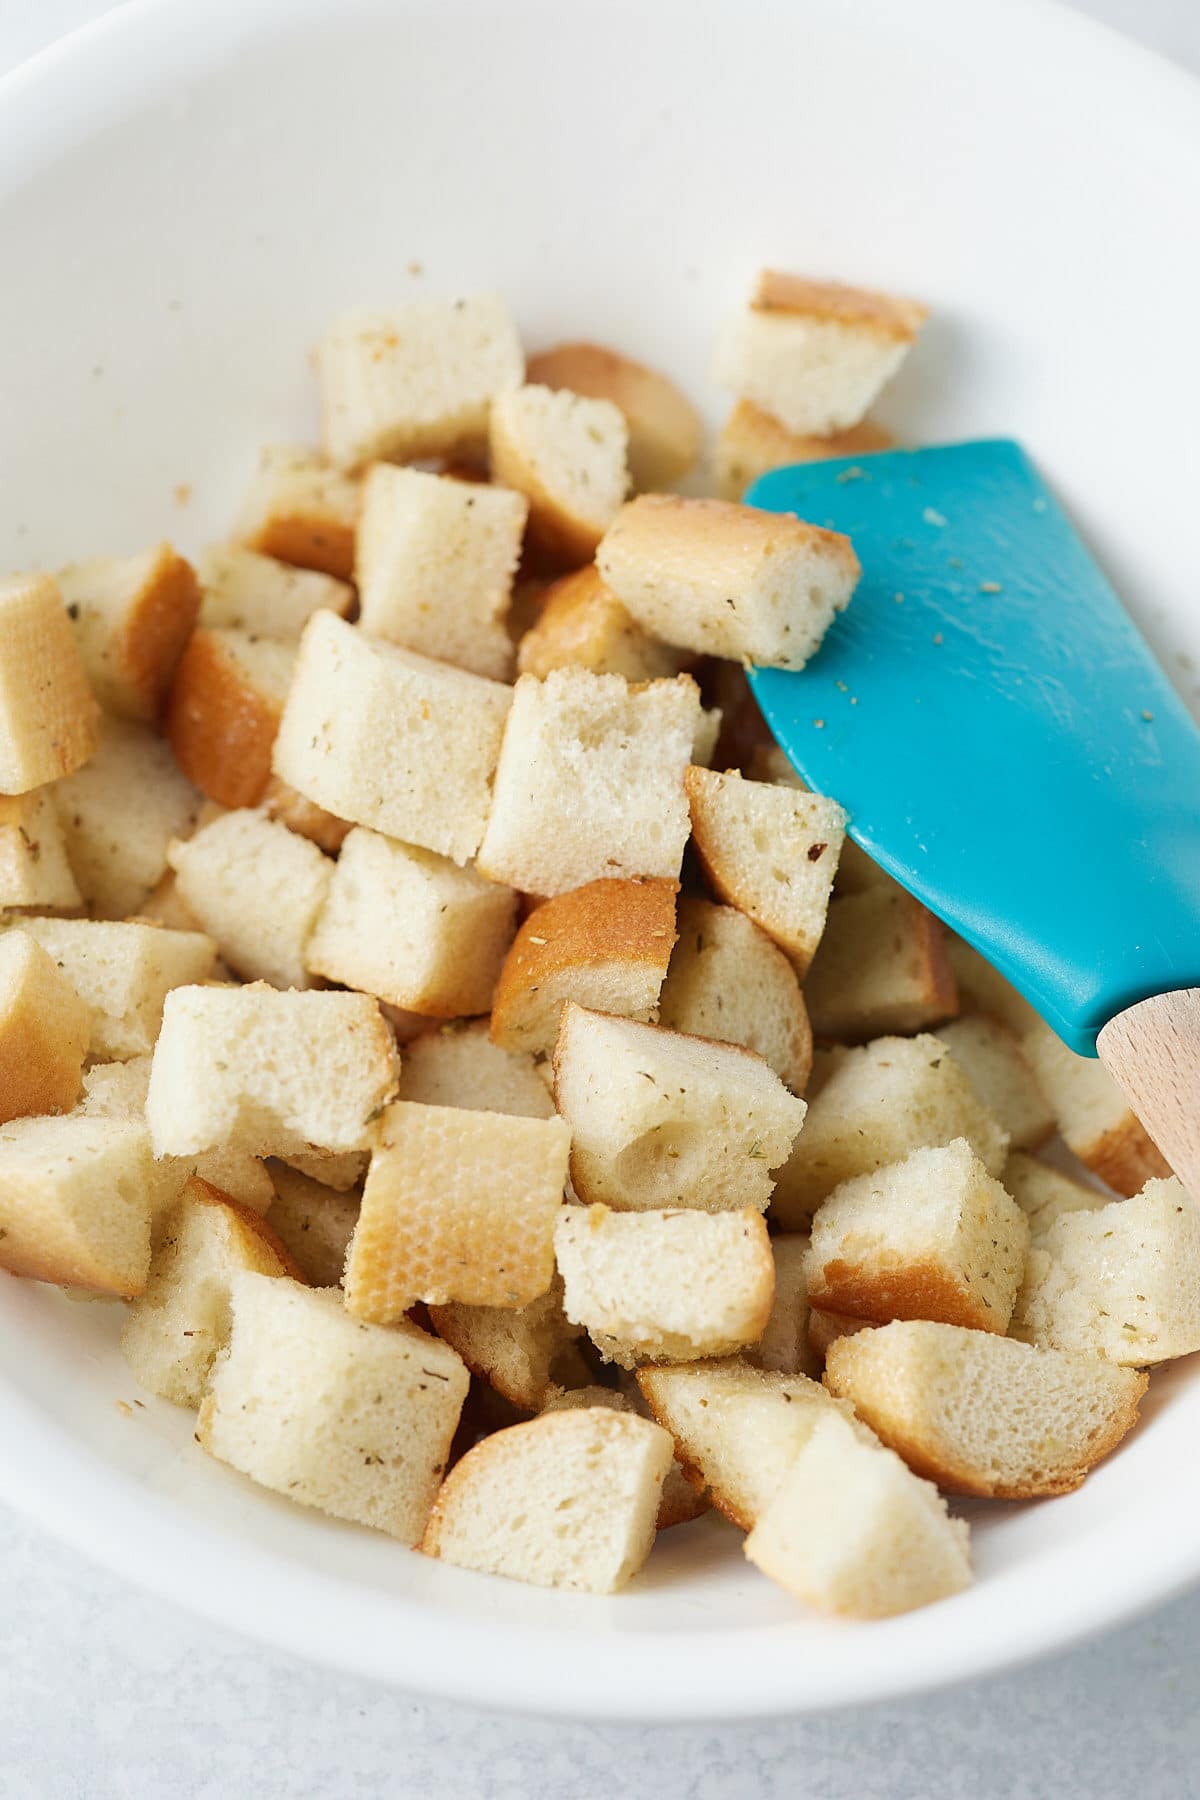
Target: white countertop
x=105, y=1692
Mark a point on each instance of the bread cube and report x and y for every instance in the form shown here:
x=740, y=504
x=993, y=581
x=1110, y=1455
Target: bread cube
x=815, y=354
x=727, y=580
x=605, y=945
x=932, y=1237
x=133, y=616
x=771, y=852
x=313, y=1223
x=279, y=801
x=224, y=711
x=391, y=740
x=980, y=1414
x=729, y=982
x=522, y=1351
x=852, y=1531
x=44, y=1031
x=982, y=989
x=412, y=928
x=1044, y=1193
x=459, y=1065
x=784, y=1344
x=119, y=813
x=242, y=590
x=458, y=1206
x=435, y=565
x=267, y=1072
x=663, y=1286
x=175, y=1329
x=752, y=441
x=1093, y=1115
x=736, y=1429
x=880, y=966
x=123, y=971
x=346, y=1417
x=664, y=429
x=301, y=511
x=502, y=1508
x=583, y=624
x=878, y=1103
x=590, y=781
x=566, y=454
x=661, y=1119
x=1121, y=1281
x=34, y=870
x=48, y=713
x=1001, y=1076
x=680, y=1501
x=257, y=889
x=75, y=1198
x=416, y=381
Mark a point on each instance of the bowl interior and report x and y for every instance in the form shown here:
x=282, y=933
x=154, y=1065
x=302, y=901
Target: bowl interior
x=188, y=192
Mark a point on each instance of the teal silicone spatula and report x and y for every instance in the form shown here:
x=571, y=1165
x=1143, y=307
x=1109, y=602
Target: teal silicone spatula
x=1007, y=747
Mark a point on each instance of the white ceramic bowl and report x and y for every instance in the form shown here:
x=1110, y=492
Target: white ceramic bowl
x=187, y=192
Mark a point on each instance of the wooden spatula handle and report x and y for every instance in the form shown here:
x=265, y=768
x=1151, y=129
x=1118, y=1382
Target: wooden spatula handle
x=1152, y=1052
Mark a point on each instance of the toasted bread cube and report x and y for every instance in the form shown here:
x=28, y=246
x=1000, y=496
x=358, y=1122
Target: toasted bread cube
x=224, y=711
x=501, y=1509
x=680, y=1501
x=605, y=945
x=301, y=511
x=856, y=871
x=75, y=1200
x=1044, y=1193
x=784, y=1344
x=590, y=781
x=416, y=381
x=412, y=928
x=729, y=982
x=752, y=441
x=566, y=454
x=119, y=813
x=346, y=1417
x=123, y=970
x=727, y=580
x=267, y=1072
x=435, y=565
x=982, y=989
x=815, y=354
x=771, y=852
x=391, y=740
x=44, y=1031
x=313, y=1223
x=1001, y=1076
x=522, y=1351
x=583, y=624
x=458, y=1205
x=852, y=1531
x=661, y=1119
x=880, y=966
x=1121, y=1281
x=133, y=616
x=34, y=870
x=980, y=1414
x=736, y=1429
x=665, y=431
x=932, y=1237
x=878, y=1103
x=257, y=889
x=48, y=714
x=176, y=1328
x=1093, y=1115
x=665, y=1286
x=242, y=590
x=279, y=801
x=459, y=1065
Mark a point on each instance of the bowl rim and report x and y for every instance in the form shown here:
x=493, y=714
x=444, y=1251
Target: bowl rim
x=104, y=1513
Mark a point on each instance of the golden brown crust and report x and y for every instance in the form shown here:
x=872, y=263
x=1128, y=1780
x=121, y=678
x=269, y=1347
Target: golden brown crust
x=157, y=627
x=1125, y=1157
x=665, y=431
x=582, y=623
x=920, y=1289
x=307, y=537
x=886, y=314
x=255, y=1231
x=752, y=441
x=44, y=1033
x=221, y=724
x=716, y=1497
x=304, y=816
x=59, y=727
x=653, y=526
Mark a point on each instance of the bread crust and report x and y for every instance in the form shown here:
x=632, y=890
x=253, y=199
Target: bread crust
x=877, y=1292
x=1125, y=1157
x=886, y=315
x=44, y=1033
x=251, y=1226
x=752, y=441
x=157, y=628
x=558, y=533
x=665, y=431
x=582, y=622
x=56, y=720
x=717, y=1498
x=221, y=724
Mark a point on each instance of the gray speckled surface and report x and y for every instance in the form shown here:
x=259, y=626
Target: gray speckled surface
x=107, y=1693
